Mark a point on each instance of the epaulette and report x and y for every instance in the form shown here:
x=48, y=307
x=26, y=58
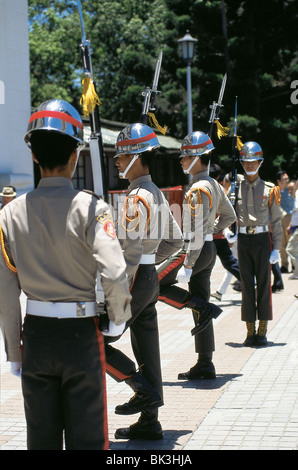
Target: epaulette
x=269, y=184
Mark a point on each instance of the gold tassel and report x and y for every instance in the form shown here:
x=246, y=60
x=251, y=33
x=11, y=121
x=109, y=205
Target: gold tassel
x=239, y=143
x=154, y=122
x=221, y=130
x=89, y=97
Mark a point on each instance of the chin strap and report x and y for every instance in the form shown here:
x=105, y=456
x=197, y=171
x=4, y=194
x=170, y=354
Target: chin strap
x=251, y=173
x=190, y=166
x=123, y=175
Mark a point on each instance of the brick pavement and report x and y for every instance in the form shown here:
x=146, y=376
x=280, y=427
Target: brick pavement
x=251, y=404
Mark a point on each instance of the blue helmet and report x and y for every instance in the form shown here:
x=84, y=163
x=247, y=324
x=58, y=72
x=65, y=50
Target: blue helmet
x=56, y=116
x=136, y=138
x=196, y=144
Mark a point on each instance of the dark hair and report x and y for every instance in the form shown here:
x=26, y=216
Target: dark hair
x=279, y=174
x=147, y=157
x=205, y=158
x=52, y=149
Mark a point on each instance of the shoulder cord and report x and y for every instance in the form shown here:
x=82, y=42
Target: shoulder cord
x=276, y=193
x=136, y=215
x=6, y=257
x=192, y=208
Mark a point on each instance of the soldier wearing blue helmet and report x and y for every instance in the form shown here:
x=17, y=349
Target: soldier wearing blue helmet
x=54, y=240
x=259, y=240
x=148, y=234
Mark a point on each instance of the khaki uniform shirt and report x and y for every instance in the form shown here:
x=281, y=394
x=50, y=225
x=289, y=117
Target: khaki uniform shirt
x=206, y=210
x=58, y=238
x=265, y=209
x=146, y=225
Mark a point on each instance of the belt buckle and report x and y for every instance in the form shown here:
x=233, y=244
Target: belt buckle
x=251, y=230
x=81, y=309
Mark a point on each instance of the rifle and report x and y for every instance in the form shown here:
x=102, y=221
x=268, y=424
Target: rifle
x=214, y=115
x=90, y=107
x=234, y=183
x=149, y=99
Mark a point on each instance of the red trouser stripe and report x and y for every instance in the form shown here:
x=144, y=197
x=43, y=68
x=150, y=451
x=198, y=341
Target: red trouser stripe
x=171, y=267
x=103, y=372
x=172, y=302
x=116, y=373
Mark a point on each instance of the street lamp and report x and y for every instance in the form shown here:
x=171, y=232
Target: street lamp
x=188, y=45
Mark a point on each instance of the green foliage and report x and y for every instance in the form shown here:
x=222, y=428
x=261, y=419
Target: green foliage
x=253, y=41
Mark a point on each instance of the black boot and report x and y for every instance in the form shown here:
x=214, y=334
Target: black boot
x=203, y=369
x=260, y=339
x=206, y=313
x=145, y=397
x=147, y=427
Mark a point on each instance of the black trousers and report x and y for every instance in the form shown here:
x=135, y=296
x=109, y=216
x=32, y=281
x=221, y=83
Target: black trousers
x=199, y=286
x=143, y=331
x=63, y=381
x=253, y=256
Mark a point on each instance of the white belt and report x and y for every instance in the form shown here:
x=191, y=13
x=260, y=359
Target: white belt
x=61, y=309
x=209, y=238
x=251, y=230
x=148, y=259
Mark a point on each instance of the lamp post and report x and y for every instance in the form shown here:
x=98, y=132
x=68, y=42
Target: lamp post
x=188, y=45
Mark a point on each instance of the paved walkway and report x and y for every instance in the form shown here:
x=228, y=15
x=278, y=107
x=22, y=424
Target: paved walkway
x=252, y=404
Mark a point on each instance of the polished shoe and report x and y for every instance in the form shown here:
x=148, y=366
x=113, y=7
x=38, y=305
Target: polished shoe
x=217, y=295
x=249, y=341
x=206, y=313
x=139, y=402
x=199, y=371
x=145, y=398
x=260, y=340
x=142, y=429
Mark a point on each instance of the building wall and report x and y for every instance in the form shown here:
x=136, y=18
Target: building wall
x=16, y=166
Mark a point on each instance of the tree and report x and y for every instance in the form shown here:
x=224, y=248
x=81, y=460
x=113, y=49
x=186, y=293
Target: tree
x=253, y=41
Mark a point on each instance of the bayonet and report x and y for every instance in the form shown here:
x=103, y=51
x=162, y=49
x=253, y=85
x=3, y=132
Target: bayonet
x=150, y=93
x=216, y=106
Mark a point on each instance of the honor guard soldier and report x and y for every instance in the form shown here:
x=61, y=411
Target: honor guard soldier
x=54, y=240
x=148, y=234
x=206, y=210
x=258, y=206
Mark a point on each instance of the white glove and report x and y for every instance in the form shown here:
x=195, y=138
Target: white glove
x=16, y=368
x=183, y=275
x=114, y=330
x=274, y=257
x=230, y=236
